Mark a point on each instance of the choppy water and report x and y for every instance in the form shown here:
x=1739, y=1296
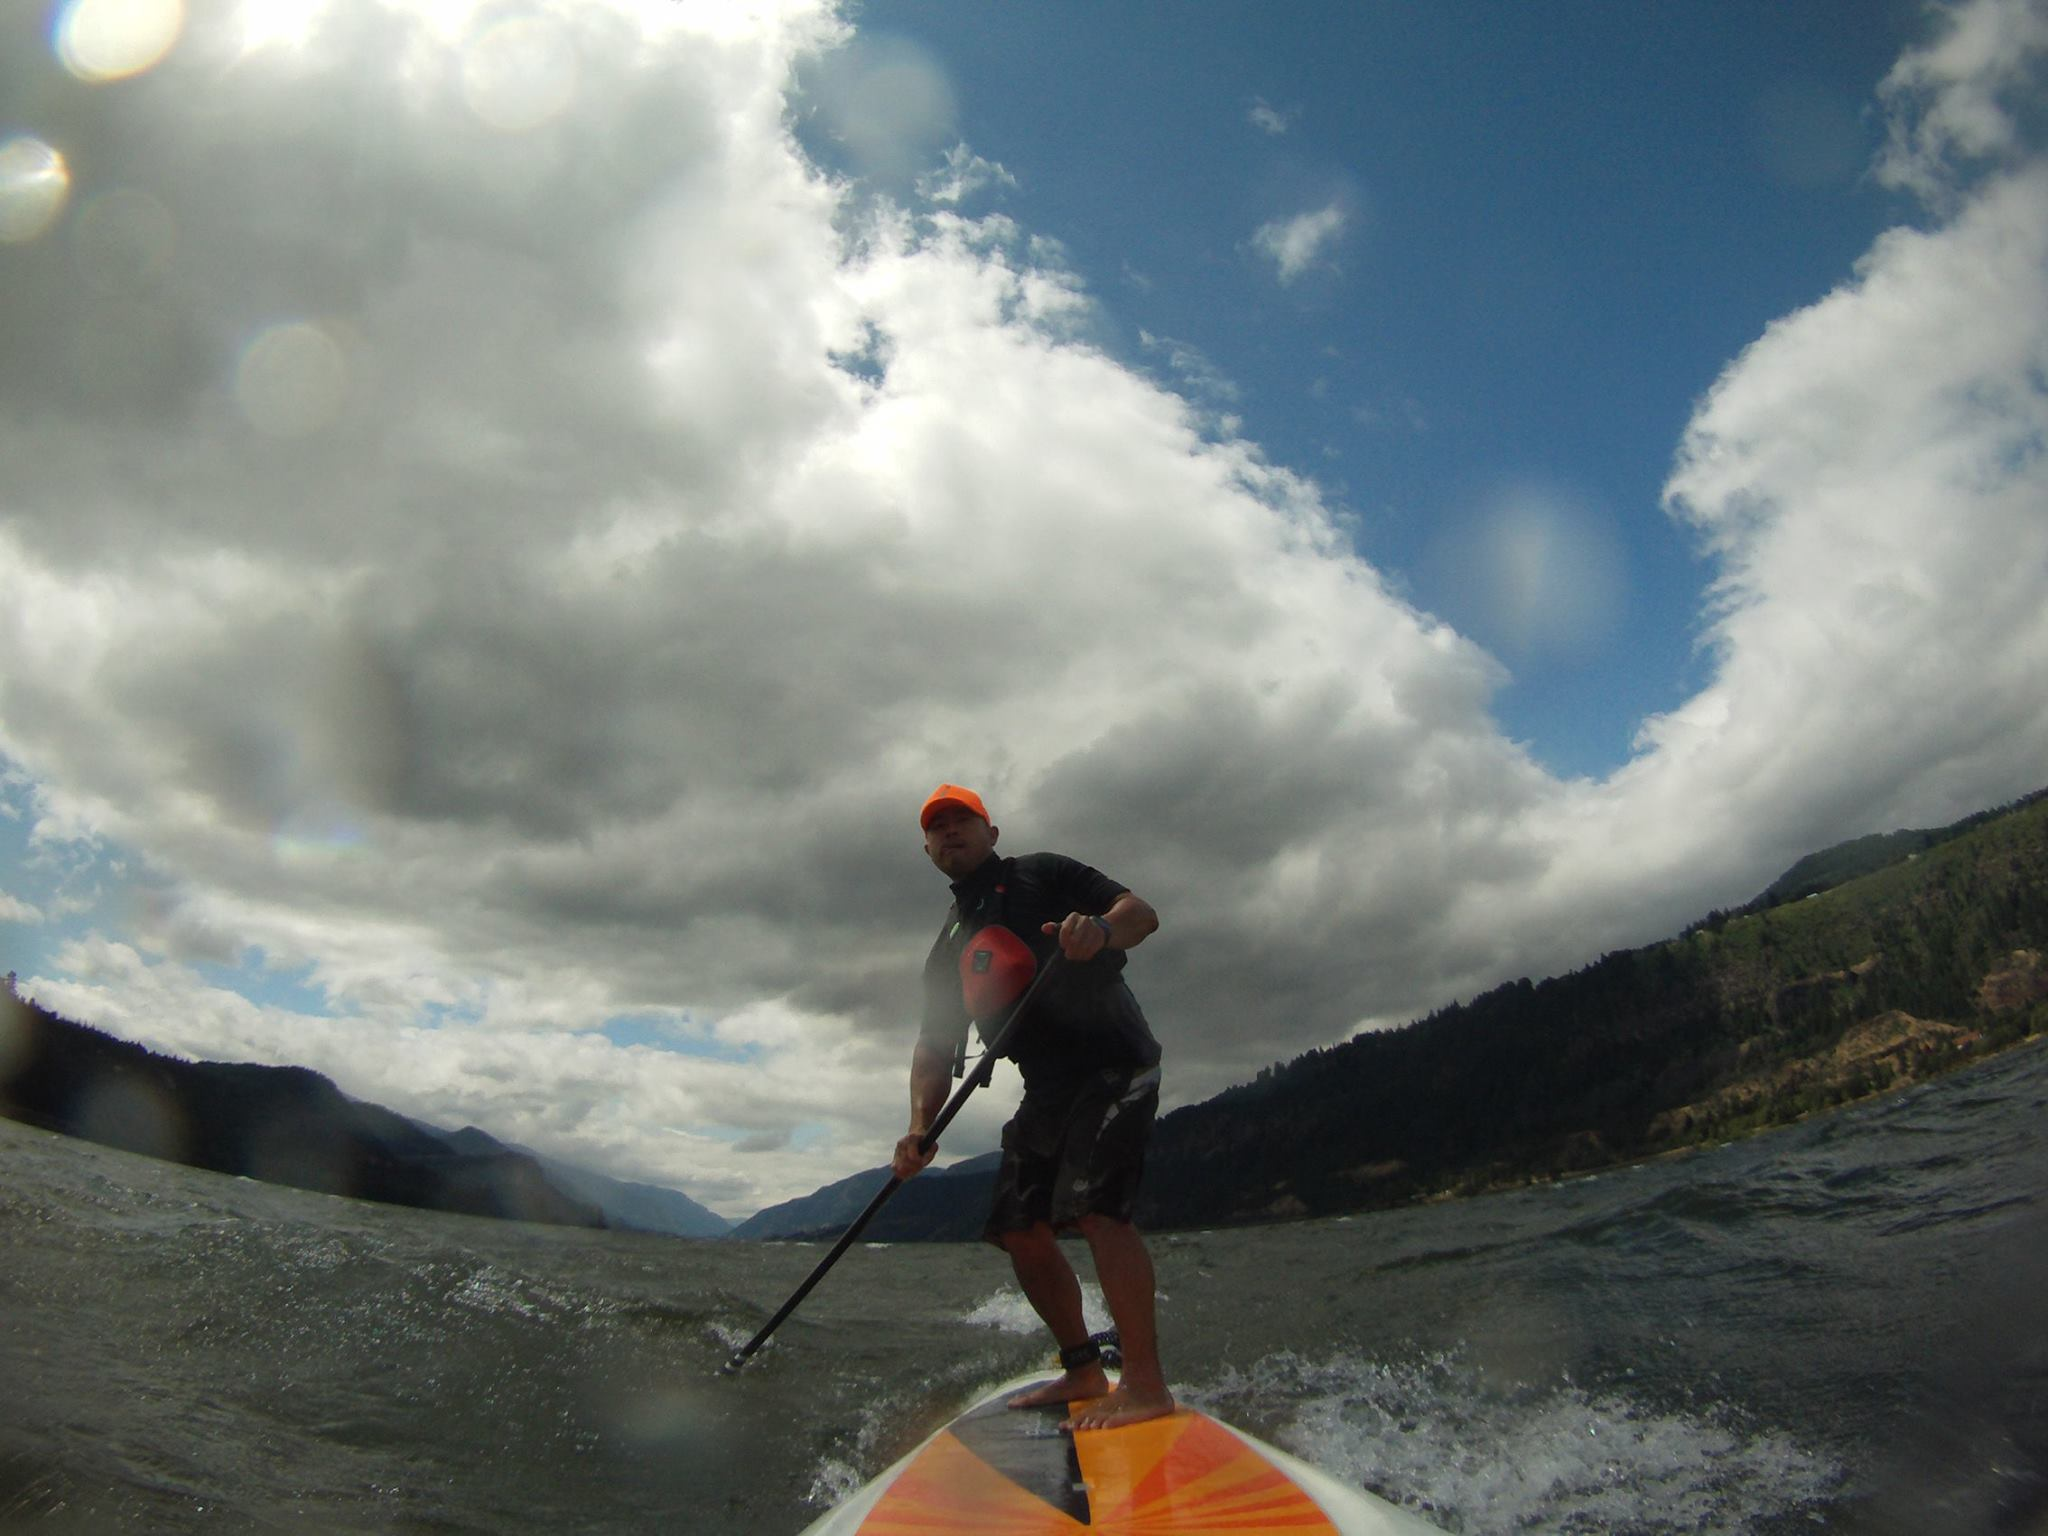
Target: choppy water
x=1840, y=1326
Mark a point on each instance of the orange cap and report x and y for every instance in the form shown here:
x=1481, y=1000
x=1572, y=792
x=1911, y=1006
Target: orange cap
x=950, y=794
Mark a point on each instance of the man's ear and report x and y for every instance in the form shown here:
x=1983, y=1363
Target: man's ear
x=994, y=832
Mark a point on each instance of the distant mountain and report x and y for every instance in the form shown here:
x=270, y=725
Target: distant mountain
x=284, y=1125
x=626, y=1206
x=638, y=1207
x=939, y=1204
x=1873, y=964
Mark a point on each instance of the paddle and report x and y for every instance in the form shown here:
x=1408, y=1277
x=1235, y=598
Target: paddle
x=983, y=1070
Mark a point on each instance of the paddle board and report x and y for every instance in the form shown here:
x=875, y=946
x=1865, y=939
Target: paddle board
x=1002, y=1471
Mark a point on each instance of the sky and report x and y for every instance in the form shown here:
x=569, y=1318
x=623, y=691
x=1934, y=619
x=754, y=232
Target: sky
x=506, y=510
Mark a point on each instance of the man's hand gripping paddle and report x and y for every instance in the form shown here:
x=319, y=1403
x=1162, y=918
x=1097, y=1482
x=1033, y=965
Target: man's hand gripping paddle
x=983, y=1070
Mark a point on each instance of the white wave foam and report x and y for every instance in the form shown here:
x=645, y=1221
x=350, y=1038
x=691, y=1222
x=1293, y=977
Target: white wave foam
x=1008, y=1312
x=491, y=1290
x=1440, y=1437
x=832, y=1482
x=732, y=1335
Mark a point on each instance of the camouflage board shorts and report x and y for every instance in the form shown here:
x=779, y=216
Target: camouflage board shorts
x=1075, y=1155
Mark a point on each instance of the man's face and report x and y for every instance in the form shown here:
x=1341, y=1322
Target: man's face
x=958, y=840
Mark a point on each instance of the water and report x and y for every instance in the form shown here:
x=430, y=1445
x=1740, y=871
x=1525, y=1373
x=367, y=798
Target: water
x=1840, y=1326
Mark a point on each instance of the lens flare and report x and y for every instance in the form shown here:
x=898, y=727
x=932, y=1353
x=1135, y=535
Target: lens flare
x=100, y=40
x=520, y=74
x=35, y=184
x=1552, y=571
x=287, y=24
x=134, y=1116
x=292, y=380
x=17, y=1044
x=318, y=834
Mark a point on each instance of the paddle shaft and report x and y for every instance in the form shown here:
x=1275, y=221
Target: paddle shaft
x=983, y=1070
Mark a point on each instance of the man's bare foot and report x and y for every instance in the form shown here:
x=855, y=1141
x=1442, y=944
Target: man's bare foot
x=1083, y=1381
x=1126, y=1405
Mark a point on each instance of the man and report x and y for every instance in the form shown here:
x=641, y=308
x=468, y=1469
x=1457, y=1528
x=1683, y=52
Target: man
x=1073, y=1153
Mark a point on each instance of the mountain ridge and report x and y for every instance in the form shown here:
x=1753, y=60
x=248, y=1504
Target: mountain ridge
x=283, y=1125
x=925, y=1207
x=291, y=1125
x=627, y=1205
x=1928, y=951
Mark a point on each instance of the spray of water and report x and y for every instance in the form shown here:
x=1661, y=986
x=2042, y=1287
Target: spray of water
x=1480, y=1456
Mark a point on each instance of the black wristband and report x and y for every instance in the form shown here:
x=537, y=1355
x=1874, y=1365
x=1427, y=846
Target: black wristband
x=1108, y=933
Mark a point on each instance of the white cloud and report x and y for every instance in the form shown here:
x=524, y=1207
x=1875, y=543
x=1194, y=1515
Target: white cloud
x=963, y=174
x=1196, y=375
x=1298, y=244
x=1267, y=118
x=1954, y=103
x=514, y=563
x=1870, y=476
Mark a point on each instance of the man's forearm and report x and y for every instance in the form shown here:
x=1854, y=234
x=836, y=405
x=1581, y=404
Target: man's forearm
x=930, y=1073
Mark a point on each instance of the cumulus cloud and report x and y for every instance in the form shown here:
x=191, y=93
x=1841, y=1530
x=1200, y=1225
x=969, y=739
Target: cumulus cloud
x=499, y=608
x=507, y=541
x=1301, y=242
x=1870, y=478
x=1959, y=100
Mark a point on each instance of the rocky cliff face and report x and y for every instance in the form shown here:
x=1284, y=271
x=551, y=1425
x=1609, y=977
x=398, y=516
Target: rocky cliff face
x=2019, y=984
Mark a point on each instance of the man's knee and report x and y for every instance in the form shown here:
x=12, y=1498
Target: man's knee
x=1034, y=1241
x=1096, y=1227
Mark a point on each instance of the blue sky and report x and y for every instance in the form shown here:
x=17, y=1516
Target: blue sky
x=508, y=510
x=1560, y=223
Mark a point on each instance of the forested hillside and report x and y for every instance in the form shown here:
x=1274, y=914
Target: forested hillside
x=1744, y=1022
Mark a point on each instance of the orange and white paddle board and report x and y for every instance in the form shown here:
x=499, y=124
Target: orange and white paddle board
x=1002, y=1471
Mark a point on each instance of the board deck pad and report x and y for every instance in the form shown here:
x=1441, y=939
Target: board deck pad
x=1002, y=1471
x=1027, y=1446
